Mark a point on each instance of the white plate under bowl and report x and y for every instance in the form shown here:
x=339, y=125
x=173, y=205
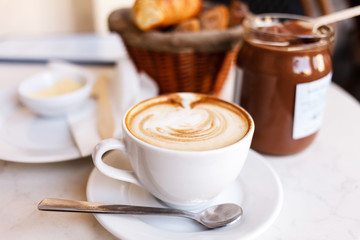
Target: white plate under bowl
x=28, y=138
x=258, y=190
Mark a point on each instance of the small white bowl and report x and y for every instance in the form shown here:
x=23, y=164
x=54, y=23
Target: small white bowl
x=55, y=105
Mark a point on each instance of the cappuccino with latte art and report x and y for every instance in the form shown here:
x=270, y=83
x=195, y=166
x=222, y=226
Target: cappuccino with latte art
x=179, y=140
x=188, y=122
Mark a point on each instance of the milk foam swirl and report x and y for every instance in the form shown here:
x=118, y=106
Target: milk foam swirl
x=189, y=124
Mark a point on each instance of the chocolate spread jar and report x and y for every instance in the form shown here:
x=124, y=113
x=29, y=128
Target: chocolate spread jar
x=285, y=70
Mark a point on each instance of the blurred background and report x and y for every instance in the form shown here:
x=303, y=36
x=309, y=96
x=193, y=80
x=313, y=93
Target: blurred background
x=55, y=17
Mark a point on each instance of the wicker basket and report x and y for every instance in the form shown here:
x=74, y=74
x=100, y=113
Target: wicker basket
x=179, y=62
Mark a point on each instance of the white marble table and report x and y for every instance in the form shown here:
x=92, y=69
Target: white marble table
x=321, y=184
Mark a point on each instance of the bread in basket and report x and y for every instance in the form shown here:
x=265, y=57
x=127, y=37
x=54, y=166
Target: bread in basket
x=179, y=61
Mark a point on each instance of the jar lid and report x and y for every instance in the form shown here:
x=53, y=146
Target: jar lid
x=286, y=30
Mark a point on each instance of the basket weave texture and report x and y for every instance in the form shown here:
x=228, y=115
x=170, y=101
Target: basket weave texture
x=179, y=62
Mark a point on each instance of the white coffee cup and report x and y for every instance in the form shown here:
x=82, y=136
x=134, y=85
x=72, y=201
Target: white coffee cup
x=181, y=178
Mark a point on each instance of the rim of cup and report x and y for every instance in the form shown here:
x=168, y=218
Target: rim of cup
x=246, y=135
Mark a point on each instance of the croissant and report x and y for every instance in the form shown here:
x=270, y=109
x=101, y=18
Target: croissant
x=150, y=14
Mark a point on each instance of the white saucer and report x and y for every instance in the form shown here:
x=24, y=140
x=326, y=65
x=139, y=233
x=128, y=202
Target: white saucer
x=27, y=138
x=258, y=190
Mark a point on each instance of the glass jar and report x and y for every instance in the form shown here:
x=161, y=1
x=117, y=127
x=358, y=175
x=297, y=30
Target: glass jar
x=285, y=76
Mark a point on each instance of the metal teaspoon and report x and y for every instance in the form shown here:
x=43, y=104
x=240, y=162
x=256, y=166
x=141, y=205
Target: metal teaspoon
x=212, y=217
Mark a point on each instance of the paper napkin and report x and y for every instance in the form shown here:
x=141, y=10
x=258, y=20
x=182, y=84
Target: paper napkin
x=83, y=128
x=129, y=88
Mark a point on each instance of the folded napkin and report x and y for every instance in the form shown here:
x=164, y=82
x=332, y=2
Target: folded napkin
x=83, y=128
x=126, y=89
x=130, y=86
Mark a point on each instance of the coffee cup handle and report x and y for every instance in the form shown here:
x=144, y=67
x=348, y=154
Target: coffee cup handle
x=116, y=173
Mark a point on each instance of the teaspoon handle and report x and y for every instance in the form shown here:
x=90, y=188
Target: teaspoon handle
x=62, y=205
x=337, y=16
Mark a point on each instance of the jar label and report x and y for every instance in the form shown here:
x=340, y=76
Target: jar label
x=310, y=100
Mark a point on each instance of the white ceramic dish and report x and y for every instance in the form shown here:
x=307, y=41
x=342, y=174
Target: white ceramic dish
x=258, y=190
x=55, y=105
x=28, y=138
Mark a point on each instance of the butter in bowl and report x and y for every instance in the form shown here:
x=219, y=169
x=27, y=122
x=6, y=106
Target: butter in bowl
x=57, y=91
